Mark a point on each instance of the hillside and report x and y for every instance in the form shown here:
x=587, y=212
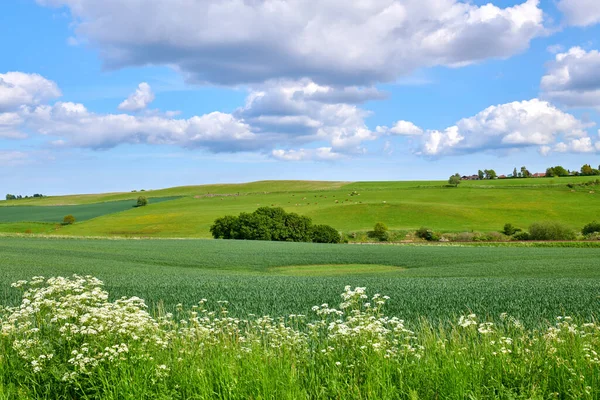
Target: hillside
x=190, y=210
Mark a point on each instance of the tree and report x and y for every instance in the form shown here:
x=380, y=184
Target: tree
x=480, y=174
x=514, y=174
x=592, y=227
x=525, y=172
x=380, y=231
x=560, y=171
x=490, y=174
x=68, y=220
x=587, y=170
x=550, y=172
x=11, y=197
x=224, y=227
x=454, y=180
x=142, y=201
x=510, y=230
x=550, y=231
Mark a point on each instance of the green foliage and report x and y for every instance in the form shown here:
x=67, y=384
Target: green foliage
x=142, y=201
x=550, y=230
x=427, y=234
x=592, y=227
x=521, y=236
x=490, y=174
x=556, y=171
x=380, y=231
x=68, y=220
x=325, y=234
x=454, y=180
x=272, y=224
x=11, y=197
x=510, y=230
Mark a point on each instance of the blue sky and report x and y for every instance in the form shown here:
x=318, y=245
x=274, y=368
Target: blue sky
x=102, y=95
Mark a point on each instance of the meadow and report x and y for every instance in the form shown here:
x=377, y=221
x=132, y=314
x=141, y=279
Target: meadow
x=404, y=206
x=200, y=319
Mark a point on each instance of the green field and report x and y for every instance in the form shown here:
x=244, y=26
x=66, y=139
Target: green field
x=403, y=206
x=55, y=213
x=436, y=282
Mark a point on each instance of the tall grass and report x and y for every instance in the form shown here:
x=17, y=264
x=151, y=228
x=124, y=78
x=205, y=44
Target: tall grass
x=66, y=340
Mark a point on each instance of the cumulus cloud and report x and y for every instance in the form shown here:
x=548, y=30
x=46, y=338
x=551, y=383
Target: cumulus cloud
x=580, y=12
x=508, y=126
x=76, y=126
x=318, y=154
x=331, y=42
x=18, y=88
x=573, y=78
x=403, y=128
x=302, y=111
x=10, y=123
x=139, y=99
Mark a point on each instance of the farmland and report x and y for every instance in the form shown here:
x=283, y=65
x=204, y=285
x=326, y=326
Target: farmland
x=535, y=284
x=403, y=206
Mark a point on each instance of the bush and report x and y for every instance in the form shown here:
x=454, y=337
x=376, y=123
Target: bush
x=141, y=201
x=590, y=228
x=428, y=234
x=380, y=231
x=510, y=230
x=325, y=234
x=521, y=236
x=68, y=220
x=550, y=231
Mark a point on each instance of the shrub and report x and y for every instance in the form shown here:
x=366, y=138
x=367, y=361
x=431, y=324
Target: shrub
x=141, y=201
x=68, y=220
x=521, y=236
x=224, y=227
x=325, y=234
x=510, y=230
x=590, y=228
x=550, y=231
x=380, y=231
x=428, y=234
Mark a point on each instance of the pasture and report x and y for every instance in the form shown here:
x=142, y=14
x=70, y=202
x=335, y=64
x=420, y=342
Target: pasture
x=435, y=282
x=404, y=206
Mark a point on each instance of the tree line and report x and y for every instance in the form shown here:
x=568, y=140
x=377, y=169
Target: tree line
x=19, y=197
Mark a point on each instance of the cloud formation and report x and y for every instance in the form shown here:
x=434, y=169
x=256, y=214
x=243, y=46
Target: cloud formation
x=352, y=43
x=573, y=78
x=139, y=99
x=318, y=154
x=532, y=123
x=18, y=88
x=580, y=12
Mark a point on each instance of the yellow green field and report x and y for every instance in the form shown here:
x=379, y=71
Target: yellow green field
x=473, y=206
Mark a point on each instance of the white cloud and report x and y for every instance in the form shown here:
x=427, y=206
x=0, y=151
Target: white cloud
x=318, y=154
x=508, y=126
x=580, y=12
x=573, y=78
x=18, y=88
x=139, y=99
x=404, y=128
x=329, y=41
x=76, y=126
x=581, y=145
x=9, y=126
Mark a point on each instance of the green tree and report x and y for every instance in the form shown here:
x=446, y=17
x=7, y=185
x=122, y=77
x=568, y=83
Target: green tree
x=560, y=171
x=454, y=180
x=592, y=227
x=480, y=174
x=142, y=201
x=68, y=220
x=550, y=172
x=380, y=231
x=490, y=174
x=515, y=173
x=11, y=197
x=525, y=172
x=587, y=170
x=325, y=234
x=224, y=227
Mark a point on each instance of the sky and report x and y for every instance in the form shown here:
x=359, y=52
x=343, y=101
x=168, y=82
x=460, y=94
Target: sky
x=119, y=95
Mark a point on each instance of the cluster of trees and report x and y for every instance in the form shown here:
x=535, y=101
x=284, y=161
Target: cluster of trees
x=273, y=223
x=19, y=197
x=550, y=230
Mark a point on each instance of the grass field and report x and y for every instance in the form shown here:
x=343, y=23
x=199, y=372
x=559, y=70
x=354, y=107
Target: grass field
x=273, y=278
x=474, y=205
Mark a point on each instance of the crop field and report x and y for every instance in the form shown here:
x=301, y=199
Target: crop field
x=437, y=282
x=56, y=213
x=404, y=206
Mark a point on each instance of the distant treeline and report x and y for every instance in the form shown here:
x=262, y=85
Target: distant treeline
x=19, y=197
x=585, y=170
